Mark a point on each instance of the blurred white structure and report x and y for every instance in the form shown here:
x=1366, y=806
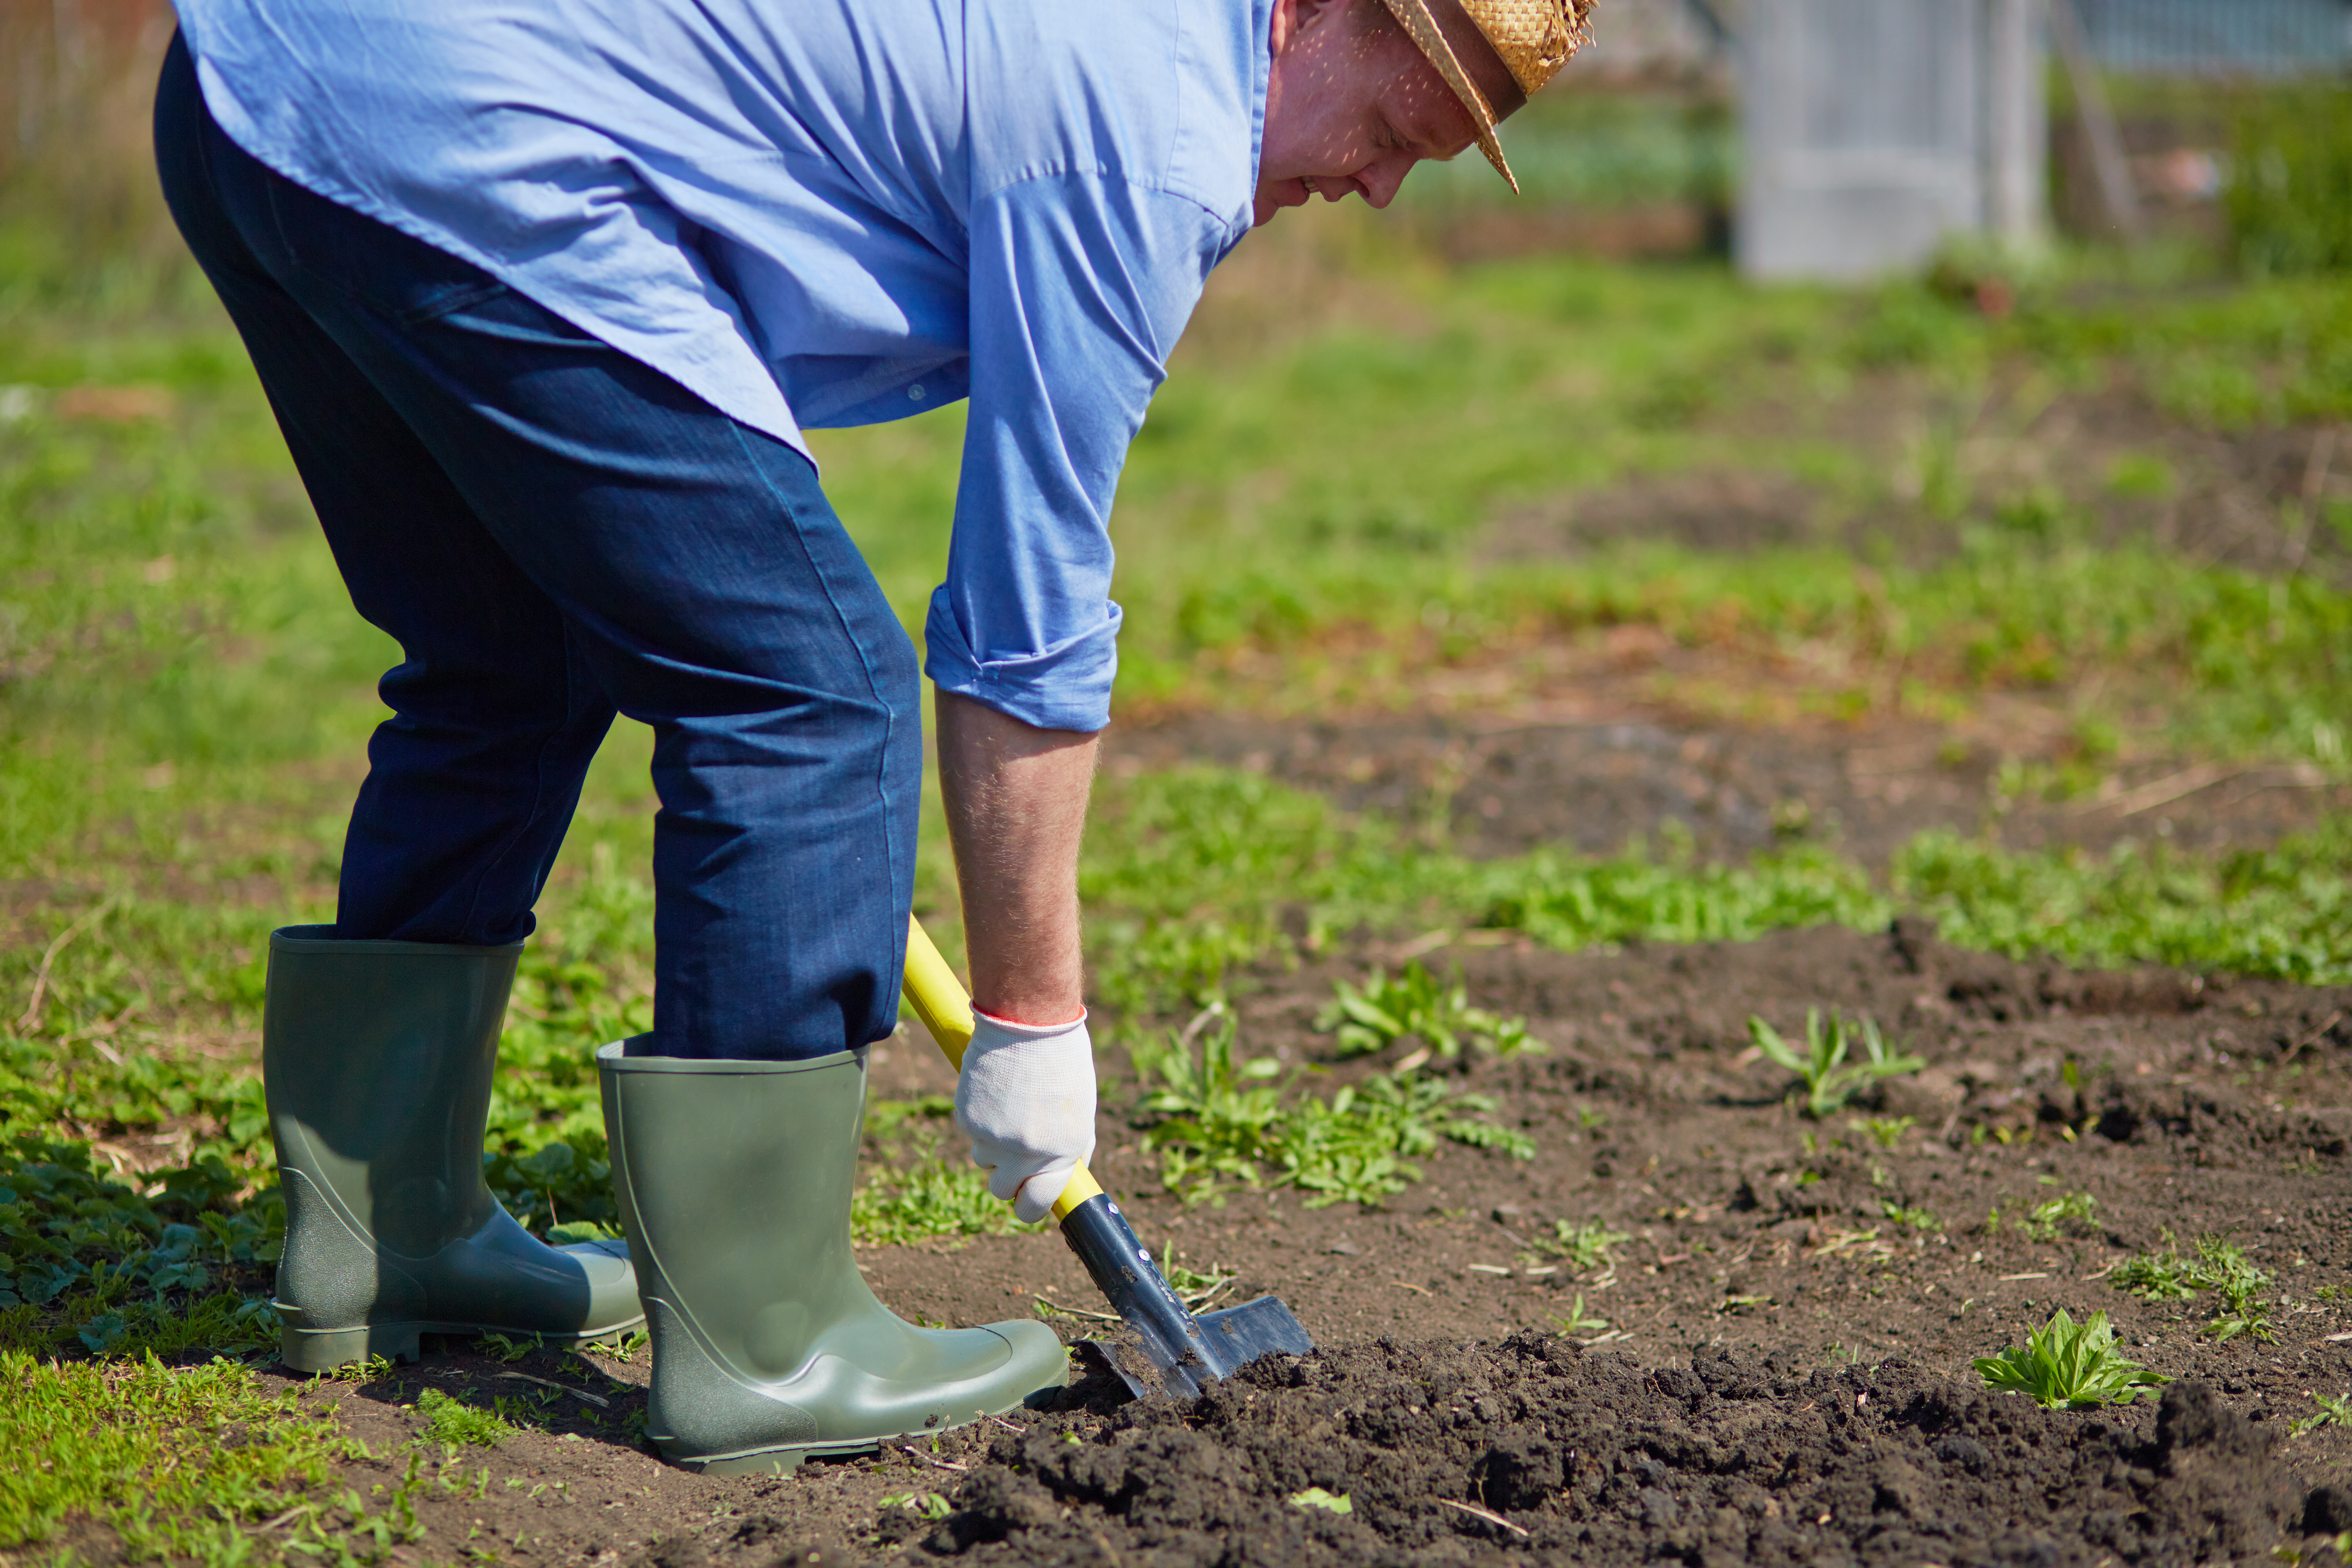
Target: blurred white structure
x=1877, y=129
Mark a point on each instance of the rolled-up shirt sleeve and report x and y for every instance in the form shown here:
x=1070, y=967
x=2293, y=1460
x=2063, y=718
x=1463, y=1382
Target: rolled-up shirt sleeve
x=1080, y=283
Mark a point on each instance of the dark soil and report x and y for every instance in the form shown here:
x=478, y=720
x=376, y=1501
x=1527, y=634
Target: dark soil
x=1785, y=1369
x=1627, y=770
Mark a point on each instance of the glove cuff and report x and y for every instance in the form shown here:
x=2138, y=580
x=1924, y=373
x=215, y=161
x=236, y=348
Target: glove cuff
x=989, y=1029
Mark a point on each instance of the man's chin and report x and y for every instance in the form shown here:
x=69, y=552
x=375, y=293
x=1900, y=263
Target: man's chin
x=1272, y=198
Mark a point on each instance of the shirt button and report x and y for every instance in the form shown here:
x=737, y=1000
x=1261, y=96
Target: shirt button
x=914, y=393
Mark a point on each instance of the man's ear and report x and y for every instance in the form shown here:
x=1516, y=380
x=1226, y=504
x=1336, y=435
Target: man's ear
x=1293, y=18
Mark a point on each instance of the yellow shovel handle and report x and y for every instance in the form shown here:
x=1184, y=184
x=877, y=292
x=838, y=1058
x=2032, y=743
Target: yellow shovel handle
x=938, y=999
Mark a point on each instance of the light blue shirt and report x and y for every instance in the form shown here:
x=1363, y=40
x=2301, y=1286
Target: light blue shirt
x=816, y=212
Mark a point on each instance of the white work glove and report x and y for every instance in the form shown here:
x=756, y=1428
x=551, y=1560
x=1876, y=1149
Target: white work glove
x=1027, y=1101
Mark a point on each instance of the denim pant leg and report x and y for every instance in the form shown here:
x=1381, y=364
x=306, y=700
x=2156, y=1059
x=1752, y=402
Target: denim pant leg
x=564, y=530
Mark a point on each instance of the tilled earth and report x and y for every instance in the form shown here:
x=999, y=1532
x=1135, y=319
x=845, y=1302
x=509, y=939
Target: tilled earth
x=1774, y=1368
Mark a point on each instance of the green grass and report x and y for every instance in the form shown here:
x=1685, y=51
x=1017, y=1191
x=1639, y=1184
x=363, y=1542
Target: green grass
x=1220, y=1119
x=2068, y=1363
x=2046, y=1220
x=2221, y=1268
x=1415, y=1004
x=181, y=1463
x=451, y=1422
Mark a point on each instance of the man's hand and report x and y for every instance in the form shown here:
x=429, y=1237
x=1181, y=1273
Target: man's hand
x=1027, y=1101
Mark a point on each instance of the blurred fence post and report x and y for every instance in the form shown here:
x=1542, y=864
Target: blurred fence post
x=2017, y=124
x=1865, y=133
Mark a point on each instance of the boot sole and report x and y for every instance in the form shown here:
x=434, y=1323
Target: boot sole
x=786, y=1458
x=331, y=1350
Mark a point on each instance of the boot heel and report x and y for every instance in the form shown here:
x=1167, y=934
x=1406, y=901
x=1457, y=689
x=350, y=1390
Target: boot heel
x=326, y=1350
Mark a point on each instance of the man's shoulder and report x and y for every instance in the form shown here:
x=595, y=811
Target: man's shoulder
x=1168, y=94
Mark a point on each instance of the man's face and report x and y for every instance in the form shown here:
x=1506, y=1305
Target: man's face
x=1352, y=104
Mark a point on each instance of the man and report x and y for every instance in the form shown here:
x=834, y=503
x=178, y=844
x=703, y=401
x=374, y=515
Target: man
x=543, y=293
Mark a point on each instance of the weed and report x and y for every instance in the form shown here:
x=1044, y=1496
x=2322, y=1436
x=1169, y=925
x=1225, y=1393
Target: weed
x=508, y=1350
x=1887, y=1131
x=922, y=1505
x=2235, y=1281
x=1829, y=1080
x=1916, y=1218
x=922, y=1191
x=1316, y=1496
x=450, y=1422
x=2158, y=1277
x=2334, y=1410
x=2219, y=1267
x=1583, y=1245
x=1222, y=1120
x=930, y=1201
x=1416, y=1006
x=2046, y=1219
x=2066, y=1363
x=1579, y=1321
x=1193, y=1287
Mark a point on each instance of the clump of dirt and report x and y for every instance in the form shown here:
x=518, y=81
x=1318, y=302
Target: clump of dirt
x=1535, y=1447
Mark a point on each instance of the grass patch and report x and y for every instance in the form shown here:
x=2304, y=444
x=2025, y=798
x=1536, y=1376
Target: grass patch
x=2066, y=1363
x=142, y=1450
x=931, y=1201
x=2046, y=1220
x=452, y=1423
x=917, y=1187
x=1416, y=1006
x=1222, y=1121
x=2219, y=1267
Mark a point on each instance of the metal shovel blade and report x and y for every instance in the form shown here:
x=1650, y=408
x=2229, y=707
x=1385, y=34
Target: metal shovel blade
x=1243, y=1333
x=1166, y=1349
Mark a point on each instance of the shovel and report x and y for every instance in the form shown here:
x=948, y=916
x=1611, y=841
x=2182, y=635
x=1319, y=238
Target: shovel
x=1168, y=1350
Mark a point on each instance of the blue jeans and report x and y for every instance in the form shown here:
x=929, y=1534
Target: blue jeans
x=554, y=533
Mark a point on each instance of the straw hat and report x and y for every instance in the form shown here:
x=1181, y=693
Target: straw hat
x=1532, y=38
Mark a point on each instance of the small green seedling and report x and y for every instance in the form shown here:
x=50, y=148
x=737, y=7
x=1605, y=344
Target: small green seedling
x=2044, y=1221
x=450, y=1422
x=2235, y=1281
x=1193, y=1287
x=1417, y=1003
x=1885, y=1131
x=508, y=1350
x=2065, y=1363
x=923, y=1505
x=1316, y=1496
x=2334, y=1411
x=622, y=1348
x=1829, y=1080
x=1577, y=1321
x=1584, y=1245
x=2157, y=1276
x=1916, y=1218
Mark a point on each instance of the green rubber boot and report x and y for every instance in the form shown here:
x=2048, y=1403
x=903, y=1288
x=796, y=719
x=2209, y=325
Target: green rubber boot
x=376, y=1058
x=734, y=1180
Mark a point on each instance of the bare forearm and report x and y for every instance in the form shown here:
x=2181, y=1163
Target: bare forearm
x=1016, y=809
